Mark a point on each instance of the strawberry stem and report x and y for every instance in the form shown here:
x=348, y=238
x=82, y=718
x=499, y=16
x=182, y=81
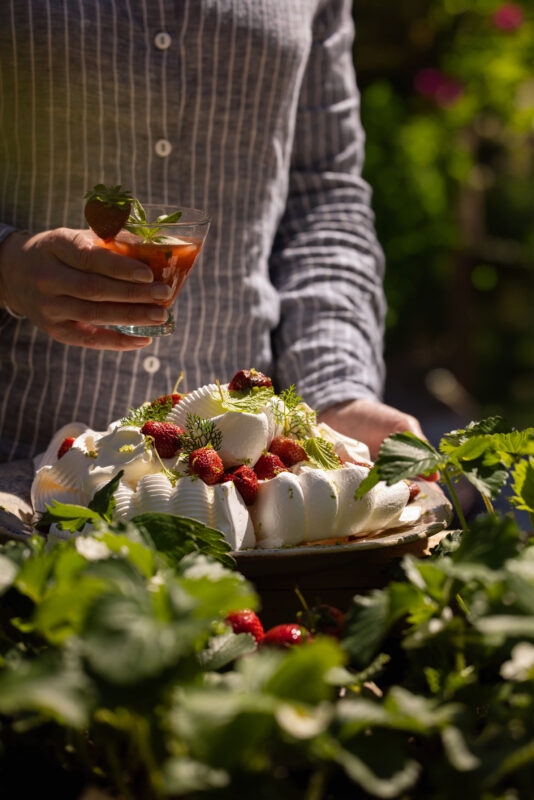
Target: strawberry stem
x=176, y=385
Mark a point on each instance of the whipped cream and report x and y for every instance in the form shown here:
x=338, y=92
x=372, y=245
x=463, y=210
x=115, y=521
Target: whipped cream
x=304, y=504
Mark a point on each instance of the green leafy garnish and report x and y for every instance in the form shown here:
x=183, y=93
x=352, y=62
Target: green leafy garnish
x=321, y=453
x=200, y=432
x=293, y=415
x=72, y=517
x=139, y=225
x=156, y=411
x=252, y=401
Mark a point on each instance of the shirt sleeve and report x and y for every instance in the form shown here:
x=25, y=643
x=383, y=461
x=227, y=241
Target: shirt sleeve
x=326, y=262
x=5, y=230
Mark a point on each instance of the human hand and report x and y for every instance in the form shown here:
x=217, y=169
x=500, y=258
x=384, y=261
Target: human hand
x=68, y=286
x=369, y=421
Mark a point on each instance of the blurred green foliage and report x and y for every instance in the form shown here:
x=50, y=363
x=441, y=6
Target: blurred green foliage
x=448, y=108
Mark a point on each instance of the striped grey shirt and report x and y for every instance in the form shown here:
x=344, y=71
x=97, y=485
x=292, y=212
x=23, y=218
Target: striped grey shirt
x=246, y=108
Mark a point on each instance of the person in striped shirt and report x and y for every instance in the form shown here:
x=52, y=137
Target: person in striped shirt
x=248, y=110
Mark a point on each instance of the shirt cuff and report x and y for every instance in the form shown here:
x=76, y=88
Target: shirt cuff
x=5, y=231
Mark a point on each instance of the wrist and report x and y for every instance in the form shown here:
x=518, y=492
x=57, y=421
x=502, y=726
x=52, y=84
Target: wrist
x=9, y=248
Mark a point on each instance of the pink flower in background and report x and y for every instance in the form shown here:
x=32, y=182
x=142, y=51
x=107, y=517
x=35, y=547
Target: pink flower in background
x=433, y=83
x=509, y=17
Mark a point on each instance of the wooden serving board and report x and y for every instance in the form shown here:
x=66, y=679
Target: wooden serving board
x=332, y=573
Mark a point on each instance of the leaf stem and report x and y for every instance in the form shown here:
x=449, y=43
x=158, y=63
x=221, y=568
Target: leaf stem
x=488, y=504
x=455, y=500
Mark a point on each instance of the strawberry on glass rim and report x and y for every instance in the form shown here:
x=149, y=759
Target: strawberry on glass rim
x=166, y=239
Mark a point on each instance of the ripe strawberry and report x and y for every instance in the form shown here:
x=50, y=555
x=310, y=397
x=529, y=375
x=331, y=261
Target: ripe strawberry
x=174, y=398
x=432, y=476
x=268, y=465
x=328, y=620
x=286, y=635
x=414, y=490
x=245, y=481
x=66, y=444
x=248, y=378
x=207, y=464
x=246, y=621
x=107, y=210
x=167, y=437
x=288, y=450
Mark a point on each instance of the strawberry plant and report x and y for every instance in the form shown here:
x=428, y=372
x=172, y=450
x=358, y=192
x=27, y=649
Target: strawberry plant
x=120, y=667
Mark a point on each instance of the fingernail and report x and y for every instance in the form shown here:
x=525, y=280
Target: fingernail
x=143, y=275
x=158, y=314
x=160, y=291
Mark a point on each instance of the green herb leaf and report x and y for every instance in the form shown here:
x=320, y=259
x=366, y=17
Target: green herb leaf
x=200, y=432
x=252, y=401
x=155, y=411
x=486, y=426
x=321, y=453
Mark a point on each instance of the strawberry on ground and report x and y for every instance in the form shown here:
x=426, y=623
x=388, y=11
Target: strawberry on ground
x=268, y=466
x=107, y=209
x=247, y=379
x=246, y=621
x=286, y=635
x=65, y=445
x=288, y=450
x=206, y=463
x=245, y=481
x=167, y=437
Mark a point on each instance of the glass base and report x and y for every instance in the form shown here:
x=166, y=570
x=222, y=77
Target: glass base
x=149, y=330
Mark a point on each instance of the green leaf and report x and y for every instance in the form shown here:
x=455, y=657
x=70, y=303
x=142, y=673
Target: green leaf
x=490, y=541
x=321, y=453
x=49, y=688
x=103, y=501
x=300, y=677
x=404, y=455
x=183, y=775
x=176, y=536
x=170, y=218
x=252, y=401
x=490, y=425
x=222, y=650
x=485, y=474
x=368, y=483
x=68, y=517
x=8, y=573
x=523, y=485
x=391, y=785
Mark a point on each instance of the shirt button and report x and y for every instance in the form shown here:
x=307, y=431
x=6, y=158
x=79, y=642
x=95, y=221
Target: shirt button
x=163, y=147
x=151, y=364
x=162, y=40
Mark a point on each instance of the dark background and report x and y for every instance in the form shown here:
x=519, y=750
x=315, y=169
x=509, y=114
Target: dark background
x=448, y=107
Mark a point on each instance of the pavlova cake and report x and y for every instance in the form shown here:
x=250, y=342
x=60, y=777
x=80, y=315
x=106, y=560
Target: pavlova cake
x=237, y=457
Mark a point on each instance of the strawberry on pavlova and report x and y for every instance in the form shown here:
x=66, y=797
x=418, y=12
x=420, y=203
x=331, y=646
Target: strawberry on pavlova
x=236, y=457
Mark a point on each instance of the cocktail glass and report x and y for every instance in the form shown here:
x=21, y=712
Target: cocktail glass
x=170, y=255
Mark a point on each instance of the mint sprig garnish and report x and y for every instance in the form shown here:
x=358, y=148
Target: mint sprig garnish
x=139, y=225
